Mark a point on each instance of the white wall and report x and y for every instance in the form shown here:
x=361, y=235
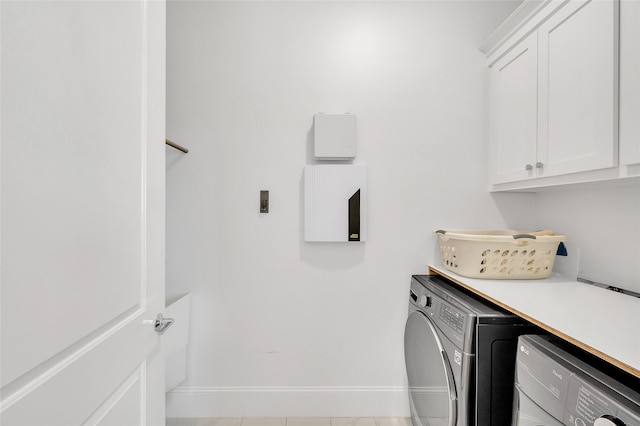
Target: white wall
x=284, y=327
x=603, y=229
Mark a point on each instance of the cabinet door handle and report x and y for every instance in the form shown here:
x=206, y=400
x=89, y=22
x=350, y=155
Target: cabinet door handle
x=528, y=167
x=539, y=165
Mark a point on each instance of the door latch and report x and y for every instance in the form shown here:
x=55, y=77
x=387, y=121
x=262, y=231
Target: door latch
x=160, y=324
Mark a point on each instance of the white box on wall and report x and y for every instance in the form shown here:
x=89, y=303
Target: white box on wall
x=328, y=190
x=334, y=136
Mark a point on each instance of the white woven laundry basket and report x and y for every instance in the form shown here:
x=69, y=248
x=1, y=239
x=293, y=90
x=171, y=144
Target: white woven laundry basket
x=501, y=254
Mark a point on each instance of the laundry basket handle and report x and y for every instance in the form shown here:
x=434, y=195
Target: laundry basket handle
x=518, y=236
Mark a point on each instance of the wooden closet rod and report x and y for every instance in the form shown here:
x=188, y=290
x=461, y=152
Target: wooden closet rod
x=176, y=146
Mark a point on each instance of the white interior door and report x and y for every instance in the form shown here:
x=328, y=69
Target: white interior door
x=82, y=227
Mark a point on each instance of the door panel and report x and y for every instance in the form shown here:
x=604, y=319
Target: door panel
x=578, y=124
x=514, y=112
x=124, y=405
x=66, y=175
x=629, y=82
x=82, y=210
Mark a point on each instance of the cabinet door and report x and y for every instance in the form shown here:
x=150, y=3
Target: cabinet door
x=577, y=125
x=629, y=82
x=513, y=85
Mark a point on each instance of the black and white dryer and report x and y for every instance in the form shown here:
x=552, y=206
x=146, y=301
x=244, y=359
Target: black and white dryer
x=460, y=356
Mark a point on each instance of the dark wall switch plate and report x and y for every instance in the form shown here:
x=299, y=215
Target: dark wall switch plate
x=264, y=201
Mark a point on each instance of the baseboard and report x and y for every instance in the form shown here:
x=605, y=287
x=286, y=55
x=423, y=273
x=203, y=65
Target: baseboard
x=392, y=401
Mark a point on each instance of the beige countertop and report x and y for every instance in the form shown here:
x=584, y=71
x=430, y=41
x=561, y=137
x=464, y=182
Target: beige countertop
x=603, y=322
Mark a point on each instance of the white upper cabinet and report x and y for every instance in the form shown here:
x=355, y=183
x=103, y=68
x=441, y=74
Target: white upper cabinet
x=554, y=93
x=578, y=81
x=629, y=82
x=513, y=112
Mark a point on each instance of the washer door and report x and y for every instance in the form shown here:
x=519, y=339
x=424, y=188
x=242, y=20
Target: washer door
x=432, y=391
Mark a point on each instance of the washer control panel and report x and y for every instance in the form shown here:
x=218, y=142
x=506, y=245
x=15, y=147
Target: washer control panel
x=451, y=317
x=453, y=321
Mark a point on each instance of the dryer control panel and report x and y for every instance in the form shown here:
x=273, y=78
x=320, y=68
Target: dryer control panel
x=569, y=390
x=587, y=403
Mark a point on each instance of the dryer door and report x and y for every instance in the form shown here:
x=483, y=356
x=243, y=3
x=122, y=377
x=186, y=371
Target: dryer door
x=432, y=391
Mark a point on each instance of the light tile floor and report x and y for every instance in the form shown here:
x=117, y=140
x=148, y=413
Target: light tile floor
x=290, y=421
